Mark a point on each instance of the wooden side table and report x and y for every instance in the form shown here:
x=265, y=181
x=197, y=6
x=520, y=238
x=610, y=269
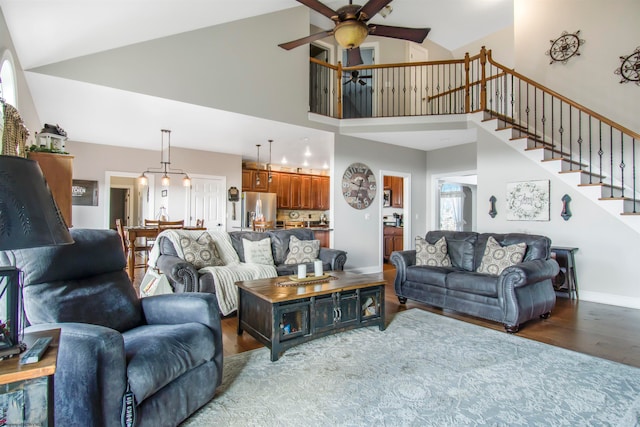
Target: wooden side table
x=26, y=391
x=566, y=282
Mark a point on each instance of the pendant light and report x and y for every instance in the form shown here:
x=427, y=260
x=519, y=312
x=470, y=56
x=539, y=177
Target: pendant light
x=165, y=161
x=269, y=175
x=258, y=166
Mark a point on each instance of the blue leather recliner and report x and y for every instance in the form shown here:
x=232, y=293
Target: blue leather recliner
x=166, y=350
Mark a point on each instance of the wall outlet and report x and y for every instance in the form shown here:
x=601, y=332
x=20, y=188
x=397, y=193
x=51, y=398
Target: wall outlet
x=367, y=216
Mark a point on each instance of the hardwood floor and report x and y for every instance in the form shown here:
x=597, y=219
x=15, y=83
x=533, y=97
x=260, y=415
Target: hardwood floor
x=600, y=330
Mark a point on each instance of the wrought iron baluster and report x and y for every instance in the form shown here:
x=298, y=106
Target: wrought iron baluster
x=570, y=138
x=600, y=152
x=622, y=165
x=611, y=157
x=561, y=132
x=633, y=173
x=590, y=153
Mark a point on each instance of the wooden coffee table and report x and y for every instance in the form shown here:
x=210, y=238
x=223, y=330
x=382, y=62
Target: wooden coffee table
x=281, y=317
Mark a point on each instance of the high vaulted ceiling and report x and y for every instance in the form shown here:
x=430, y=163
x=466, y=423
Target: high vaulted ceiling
x=46, y=32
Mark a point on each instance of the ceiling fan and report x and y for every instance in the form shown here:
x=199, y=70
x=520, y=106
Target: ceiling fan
x=357, y=78
x=351, y=28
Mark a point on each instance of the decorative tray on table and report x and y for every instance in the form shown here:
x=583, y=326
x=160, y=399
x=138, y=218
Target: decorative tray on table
x=309, y=277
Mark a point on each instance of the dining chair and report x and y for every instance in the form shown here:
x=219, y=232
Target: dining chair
x=164, y=225
x=262, y=225
x=199, y=223
x=144, y=250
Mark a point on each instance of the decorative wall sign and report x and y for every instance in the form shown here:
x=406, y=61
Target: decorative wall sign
x=528, y=201
x=84, y=193
x=564, y=47
x=629, y=70
x=566, y=210
x=492, y=211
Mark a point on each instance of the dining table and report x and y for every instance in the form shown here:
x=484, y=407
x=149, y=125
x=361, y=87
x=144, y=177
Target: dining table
x=145, y=231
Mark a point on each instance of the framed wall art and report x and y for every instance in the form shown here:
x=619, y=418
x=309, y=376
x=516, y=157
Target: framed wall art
x=84, y=193
x=528, y=201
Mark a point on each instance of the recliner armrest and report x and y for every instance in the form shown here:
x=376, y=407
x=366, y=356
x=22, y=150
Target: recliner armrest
x=91, y=374
x=188, y=307
x=335, y=257
x=182, y=275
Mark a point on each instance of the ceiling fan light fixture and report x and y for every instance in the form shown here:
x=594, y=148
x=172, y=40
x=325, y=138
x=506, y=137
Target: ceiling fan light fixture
x=350, y=34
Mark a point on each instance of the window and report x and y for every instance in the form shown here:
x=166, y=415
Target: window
x=8, y=89
x=451, y=207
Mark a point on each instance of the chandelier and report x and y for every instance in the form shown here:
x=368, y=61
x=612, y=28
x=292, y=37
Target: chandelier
x=165, y=161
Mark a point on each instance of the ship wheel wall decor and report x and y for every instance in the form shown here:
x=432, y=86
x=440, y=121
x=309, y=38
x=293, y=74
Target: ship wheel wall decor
x=565, y=47
x=629, y=70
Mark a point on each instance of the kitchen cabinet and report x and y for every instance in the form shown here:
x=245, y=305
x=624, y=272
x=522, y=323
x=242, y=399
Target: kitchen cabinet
x=393, y=240
x=284, y=191
x=320, y=188
x=294, y=191
x=58, y=171
x=249, y=180
x=396, y=191
x=305, y=192
x=323, y=236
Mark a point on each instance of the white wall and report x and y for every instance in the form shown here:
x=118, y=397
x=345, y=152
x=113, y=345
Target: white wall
x=608, y=253
x=610, y=29
x=91, y=161
x=359, y=232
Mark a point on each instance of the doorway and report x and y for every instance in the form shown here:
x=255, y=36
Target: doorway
x=357, y=87
x=139, y=203
x=119, y=206
x=395, y=218
x=456, y=203
x=208, y=201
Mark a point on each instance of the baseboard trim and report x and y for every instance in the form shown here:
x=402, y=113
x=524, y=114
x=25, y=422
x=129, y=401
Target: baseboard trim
x=610, y=299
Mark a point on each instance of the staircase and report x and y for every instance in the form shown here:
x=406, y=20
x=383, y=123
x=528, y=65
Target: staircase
x=585, y=149
x=589, y=180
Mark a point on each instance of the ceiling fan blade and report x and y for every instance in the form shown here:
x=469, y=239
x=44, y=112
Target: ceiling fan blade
x=320, y=8
x=354, y=57
x=372, y=7
x=295, y=43
x=412, y=34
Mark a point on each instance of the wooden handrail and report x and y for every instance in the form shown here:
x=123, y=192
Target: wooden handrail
x=563, y=98
x=474, y=83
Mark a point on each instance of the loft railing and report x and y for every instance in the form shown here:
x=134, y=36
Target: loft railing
x=602, y=151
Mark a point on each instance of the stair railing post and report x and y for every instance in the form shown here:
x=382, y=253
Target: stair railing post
x=467, y=86
x=483, y=79
x=339, y=91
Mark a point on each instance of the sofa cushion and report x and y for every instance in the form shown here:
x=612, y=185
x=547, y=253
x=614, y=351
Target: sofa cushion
x=280, y=241
x=474, y=283
x=431, y=275
x=460, y=246
x=158, y=354
x=302, y=251
x=258, y=252
x=432, y=255
x=200, y=250
x=496, y=257
x=237, y=238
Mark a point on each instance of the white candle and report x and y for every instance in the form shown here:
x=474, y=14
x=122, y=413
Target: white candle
x=317, y=267
x=302, y=271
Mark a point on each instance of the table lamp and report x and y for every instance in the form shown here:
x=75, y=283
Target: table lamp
x=29, y=218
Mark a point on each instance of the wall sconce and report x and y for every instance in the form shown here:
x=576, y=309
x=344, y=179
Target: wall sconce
x=492, y=211
x=566, y=211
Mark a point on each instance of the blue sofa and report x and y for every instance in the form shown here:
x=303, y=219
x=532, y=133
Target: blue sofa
x=519, y=293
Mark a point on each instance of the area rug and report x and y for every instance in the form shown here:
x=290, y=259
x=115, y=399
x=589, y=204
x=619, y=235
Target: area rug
x=423, y=370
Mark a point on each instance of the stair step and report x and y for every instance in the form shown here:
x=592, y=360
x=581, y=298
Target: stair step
x=550, y=149
x=593, y=174
x=631, y=213
x=570, y=163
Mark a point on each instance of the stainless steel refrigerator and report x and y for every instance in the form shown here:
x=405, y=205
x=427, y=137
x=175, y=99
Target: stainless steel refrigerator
x=254, y=202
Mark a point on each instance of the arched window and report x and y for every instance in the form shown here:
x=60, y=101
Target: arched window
x=8, y=80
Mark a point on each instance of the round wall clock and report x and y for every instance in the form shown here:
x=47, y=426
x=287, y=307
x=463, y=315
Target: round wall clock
x=359, y=185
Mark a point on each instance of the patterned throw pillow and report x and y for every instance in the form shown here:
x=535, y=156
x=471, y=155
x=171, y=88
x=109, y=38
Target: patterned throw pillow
x=496, y=258
x=432, y=255
x=200, y=251
x=258, y=252
x=301, y=251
